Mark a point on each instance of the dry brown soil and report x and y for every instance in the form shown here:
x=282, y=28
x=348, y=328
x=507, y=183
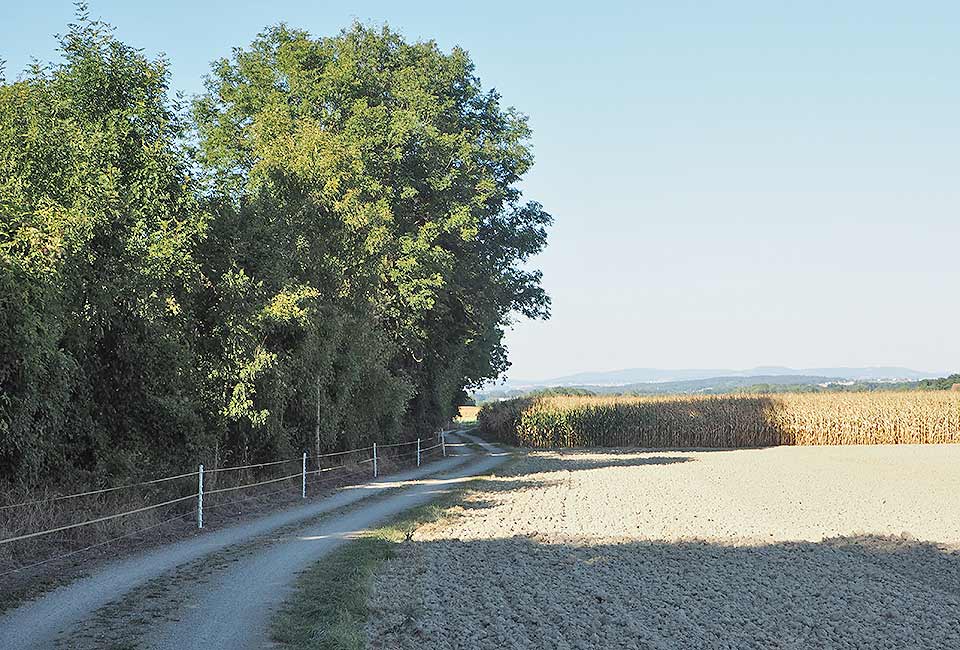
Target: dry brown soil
x=787, y=547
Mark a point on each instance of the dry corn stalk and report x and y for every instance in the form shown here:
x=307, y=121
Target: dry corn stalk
x=683, y=421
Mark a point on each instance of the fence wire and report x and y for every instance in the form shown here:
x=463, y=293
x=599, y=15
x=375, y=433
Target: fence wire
x=103, y=491
x=97, y=545
x=96, y=521
x=194, y=495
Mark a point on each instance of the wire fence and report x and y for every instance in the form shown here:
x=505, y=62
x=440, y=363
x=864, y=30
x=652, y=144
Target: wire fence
x=96, y=492
x=336, y=471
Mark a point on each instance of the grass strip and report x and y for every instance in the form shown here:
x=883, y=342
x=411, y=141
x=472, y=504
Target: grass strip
x=328, y=608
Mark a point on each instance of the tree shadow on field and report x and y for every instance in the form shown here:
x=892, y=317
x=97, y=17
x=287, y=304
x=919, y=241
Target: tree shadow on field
x=521, y=475
x=861, y=592
x=568, y=460
x=483, y=496
x=549, y=591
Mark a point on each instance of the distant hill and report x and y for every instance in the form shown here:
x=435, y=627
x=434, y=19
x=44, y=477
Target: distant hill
x=655, y=381
x=658, y=375
x=729, y=384
x=710, y=385
x=718, y=384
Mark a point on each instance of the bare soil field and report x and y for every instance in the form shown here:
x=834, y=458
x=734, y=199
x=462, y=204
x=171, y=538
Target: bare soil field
x=785, y=547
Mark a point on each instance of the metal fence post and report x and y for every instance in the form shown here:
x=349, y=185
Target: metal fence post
x=374, y=460
x=418, y=452
x=303, y=486
x=200, y=497
x=443, y=443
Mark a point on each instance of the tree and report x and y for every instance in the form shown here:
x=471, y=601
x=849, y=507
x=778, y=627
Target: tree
x=96, y=269
x=325, y=257
x=388, y=176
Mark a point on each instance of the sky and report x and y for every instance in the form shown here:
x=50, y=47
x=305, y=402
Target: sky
x=733, y=183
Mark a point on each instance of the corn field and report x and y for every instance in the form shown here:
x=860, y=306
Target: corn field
x=683, y=421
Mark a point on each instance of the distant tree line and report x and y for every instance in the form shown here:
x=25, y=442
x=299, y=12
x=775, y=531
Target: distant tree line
x=943, y=383
x=561, y=391
x=495, y=395
x=701, y=387
x=320, y=251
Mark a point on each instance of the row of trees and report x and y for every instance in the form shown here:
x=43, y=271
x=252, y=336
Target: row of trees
x=321, y=250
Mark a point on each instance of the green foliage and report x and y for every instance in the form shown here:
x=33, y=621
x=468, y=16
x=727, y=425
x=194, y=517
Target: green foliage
x=943, y=383
x=389, y=177
x=99, y=223
x=558, y=391
x=324, y=252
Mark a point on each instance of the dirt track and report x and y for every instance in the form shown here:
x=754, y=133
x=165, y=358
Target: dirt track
x=216, y=590
x=823, y=547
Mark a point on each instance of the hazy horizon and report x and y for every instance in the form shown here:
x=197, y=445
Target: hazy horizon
x=733, y=186
x=765, y=369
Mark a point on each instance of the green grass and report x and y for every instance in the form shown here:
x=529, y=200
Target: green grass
x=328, y=609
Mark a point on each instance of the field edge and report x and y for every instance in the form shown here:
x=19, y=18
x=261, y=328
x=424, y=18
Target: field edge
x=328, y=607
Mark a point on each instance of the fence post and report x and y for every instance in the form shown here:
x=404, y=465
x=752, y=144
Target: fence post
x=200, y=497
x=374, y=460
x=443, y=443
x=418, y=452
x=303, y=486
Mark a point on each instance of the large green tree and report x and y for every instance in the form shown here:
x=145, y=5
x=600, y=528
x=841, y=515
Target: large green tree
x=389, y=177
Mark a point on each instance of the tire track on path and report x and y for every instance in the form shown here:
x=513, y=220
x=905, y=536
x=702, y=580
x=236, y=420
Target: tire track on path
x=38, y=623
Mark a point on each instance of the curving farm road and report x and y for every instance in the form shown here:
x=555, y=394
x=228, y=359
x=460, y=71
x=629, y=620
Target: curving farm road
x=217, y=590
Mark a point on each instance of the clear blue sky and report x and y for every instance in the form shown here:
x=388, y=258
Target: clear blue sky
x=734, y=183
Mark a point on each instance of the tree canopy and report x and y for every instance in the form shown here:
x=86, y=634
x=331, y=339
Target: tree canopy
x=322, y=250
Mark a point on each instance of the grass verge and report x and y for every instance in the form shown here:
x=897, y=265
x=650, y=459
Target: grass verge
x=328, y=608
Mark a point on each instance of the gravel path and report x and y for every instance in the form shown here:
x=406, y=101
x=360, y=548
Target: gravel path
x=788, y=547
x=233, y=609
x=105, y=607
